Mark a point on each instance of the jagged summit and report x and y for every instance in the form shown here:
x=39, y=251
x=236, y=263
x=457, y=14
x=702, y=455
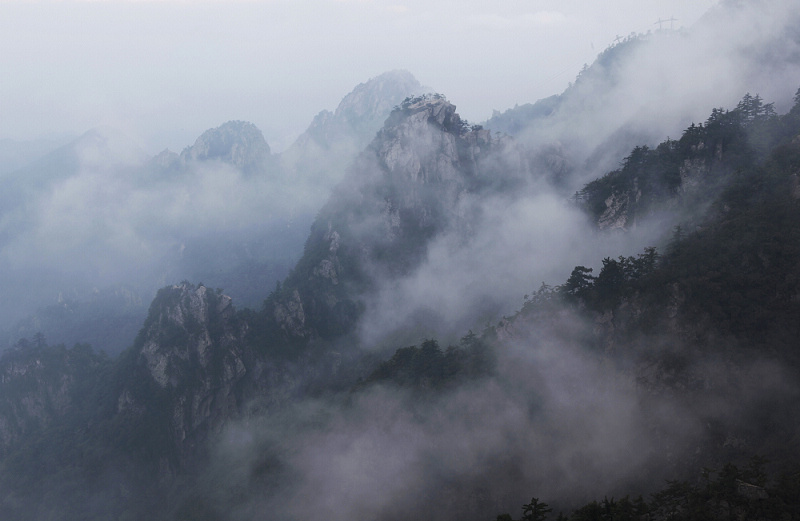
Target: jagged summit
x=334, y=138
x=413, y=182
x=365, y=108
x=420, y=140
x=188, y=360
x=177, y=335
x=434, y=108
x=237, y=142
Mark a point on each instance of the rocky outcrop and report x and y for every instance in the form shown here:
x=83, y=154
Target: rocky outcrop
x=334, y=138
x=361, y=113
x=39, y=387
x=190, y=351
x=616, y=214
x=426, y=158
x=411, y=184
x=291, y=317
x=419, y=144
x=188, y=329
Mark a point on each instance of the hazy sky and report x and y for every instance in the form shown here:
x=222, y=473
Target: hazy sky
x=164, y=71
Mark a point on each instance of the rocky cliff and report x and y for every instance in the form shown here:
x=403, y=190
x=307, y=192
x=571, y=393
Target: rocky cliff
x=333, y=139
x=190, y=363
x=361, y=112
x=414, y=181
x=682, y=176
x=41, y=386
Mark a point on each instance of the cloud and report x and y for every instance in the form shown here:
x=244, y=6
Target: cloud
x=119, y=220
x=557, y=422
x=398, y=8
x=498, y=22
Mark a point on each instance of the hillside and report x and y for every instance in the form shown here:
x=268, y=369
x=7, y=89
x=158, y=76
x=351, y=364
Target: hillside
x=653, y=368
x=89, y=232
x=478, y=322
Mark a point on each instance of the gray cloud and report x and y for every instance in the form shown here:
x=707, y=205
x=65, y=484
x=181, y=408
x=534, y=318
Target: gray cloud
x=167, y=70
x=557, y=422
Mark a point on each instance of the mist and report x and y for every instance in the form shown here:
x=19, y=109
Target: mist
x=560, y=419
x=166, y=71
x=557, y=420
x=657, y=86
x=119, y=219
x=517, y=244
x=516, y=241
x=559, y=416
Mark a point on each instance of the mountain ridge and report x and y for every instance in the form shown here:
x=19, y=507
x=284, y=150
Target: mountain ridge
x=649, y=368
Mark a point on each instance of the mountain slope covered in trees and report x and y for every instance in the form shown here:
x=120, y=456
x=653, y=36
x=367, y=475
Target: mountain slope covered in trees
x=692, y=346
x=668, y=353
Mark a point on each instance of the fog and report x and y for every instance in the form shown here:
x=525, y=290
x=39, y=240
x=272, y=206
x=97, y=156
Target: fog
x=556, y=419
x=560, y=422
x=110, y=217
x=517, y=244
x=670, y=81
x=533, y=235
x=167, y=70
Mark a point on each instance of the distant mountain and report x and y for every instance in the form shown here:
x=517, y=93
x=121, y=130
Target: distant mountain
x=26, y=256
x=80, y=216
x=236, y=142
x=15, y=154
x=333, y=139
x=104, y=148
x=361, y=112
x=636, y=92
x=676, y=363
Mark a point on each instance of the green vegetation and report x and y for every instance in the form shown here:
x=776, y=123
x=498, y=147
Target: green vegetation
x=429, y=368
x=727, y=284
x=735, y=269
x=729, y=493
x=687, y=172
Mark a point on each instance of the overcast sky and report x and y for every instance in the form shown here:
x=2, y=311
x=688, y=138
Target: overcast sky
x=164, y=71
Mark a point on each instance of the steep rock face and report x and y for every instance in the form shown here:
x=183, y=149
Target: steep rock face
x=40, y=386
x=333, y=139
x=185, y=325
x=619, y=210
x=676, y=174
x=413, y=182
x=692, y=173
x=237, y=142
x=367, y=106
x=190, y=354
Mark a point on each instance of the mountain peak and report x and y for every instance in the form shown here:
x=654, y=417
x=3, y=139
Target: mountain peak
x=186, y=311
x=366, y=106
x=361, y=112
x=425, y=140
x=237, y=142
x=432, y=108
